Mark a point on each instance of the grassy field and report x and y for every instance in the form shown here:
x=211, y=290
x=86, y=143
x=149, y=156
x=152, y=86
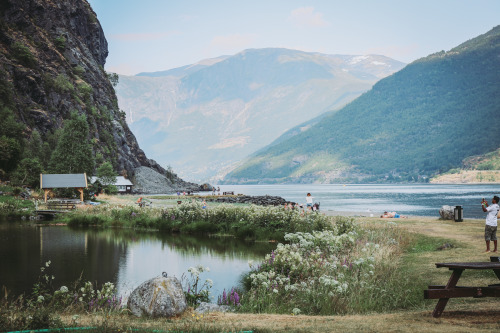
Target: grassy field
x=464, y=243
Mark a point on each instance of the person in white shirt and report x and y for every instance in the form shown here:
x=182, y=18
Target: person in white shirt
x=309, y=201
x=490, y=230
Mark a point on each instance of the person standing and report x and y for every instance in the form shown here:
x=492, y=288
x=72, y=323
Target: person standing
x=490, y=230
x=309, y=200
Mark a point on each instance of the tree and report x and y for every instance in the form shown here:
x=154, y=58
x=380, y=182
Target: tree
x=28, y=173
x=73, y=153
x=11, y=140
x=106, y=174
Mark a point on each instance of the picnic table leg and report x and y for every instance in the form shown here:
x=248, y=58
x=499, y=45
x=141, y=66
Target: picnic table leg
x=455, y=276
x=497, y=273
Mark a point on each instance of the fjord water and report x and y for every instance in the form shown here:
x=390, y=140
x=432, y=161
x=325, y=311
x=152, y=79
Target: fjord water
x=407, y=199
x=124, y=257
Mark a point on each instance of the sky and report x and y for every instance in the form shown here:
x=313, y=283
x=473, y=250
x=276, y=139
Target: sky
x=156, y=35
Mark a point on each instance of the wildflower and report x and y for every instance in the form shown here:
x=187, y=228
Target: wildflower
x=40, y=299
x=63, y=289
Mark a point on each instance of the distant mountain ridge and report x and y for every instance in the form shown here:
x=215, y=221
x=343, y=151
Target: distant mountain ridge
x=425, y=119
x=203, y=118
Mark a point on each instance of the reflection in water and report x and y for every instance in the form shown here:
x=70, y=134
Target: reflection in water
x=124, y=257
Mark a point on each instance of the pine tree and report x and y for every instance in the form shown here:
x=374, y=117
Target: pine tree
x=73, y=153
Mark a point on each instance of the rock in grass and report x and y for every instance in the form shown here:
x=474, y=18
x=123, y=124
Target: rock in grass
x=158, y=297
x=447, y=212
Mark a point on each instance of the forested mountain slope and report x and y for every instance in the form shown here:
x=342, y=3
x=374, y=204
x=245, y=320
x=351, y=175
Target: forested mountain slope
x=426, y=118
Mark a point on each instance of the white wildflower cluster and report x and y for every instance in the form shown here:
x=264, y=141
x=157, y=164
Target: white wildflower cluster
x=107, y=291
x=317, y=264
x=195, y=271
x=275, y=217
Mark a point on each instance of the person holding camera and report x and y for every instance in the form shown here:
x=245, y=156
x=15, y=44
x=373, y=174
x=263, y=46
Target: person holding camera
x=490, y=230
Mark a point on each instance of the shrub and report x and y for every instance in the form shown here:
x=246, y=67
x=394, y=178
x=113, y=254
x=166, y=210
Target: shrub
x=23, y=54
x=60, y=42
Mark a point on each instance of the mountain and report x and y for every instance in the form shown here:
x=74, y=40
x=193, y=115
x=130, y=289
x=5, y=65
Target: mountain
x=424, y=119
x=52, y=56
x=203, y=118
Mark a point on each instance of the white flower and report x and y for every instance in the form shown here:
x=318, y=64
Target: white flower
x=40, y=299
x=275, y=290
x=63, y=289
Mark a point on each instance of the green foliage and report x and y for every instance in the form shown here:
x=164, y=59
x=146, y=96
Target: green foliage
x=194, y=290
x=85, y=90
x=60, y=43
x=73, y=153
x=28, y=173
x=255, y=222
x=413, y=123
x=22, y=53
x=62, y=84
x=106, y=174
x=78, y=70
x=13, y=207
x=6, y=89
x=113, y=78
x=11, y=140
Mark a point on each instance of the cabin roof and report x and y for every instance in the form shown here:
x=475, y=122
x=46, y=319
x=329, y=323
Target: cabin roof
x=69, y=180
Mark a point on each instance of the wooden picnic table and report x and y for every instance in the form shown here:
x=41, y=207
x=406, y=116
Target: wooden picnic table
x=451, y=290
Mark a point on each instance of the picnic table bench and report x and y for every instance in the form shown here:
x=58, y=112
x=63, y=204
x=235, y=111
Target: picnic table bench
x=451, y=290
x=62, y=204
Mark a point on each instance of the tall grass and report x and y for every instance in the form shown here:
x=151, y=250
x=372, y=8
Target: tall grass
x=349, y=269
x=252, y=222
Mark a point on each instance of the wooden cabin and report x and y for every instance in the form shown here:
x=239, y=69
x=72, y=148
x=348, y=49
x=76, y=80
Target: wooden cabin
x=71, y=180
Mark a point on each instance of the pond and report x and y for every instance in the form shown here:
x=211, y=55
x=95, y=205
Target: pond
x=122, y=256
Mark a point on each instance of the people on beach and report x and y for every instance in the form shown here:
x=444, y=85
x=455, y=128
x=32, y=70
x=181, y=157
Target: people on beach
x=490, y=229
x=309, y=201
x=389, y=215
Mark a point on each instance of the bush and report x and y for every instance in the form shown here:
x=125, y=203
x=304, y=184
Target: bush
x=22, y=53
x=60, y=43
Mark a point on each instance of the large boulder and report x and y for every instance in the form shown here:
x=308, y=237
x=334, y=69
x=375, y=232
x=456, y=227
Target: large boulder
x=158, y=297
x=447, y=212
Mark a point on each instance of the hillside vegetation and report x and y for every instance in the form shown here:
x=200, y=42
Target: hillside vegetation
x=422, y=120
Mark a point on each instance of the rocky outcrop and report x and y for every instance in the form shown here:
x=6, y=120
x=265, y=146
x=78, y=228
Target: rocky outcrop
x=264, y=200
x=149, y=180
x=158, y=297
x=52, y=57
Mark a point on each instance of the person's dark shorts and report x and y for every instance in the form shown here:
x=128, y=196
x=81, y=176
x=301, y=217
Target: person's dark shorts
x=490, y=233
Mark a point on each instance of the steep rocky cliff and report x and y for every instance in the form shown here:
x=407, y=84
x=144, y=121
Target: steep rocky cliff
x=52, y=56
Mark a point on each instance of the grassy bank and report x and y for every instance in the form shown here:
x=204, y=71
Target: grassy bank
x=249, y=222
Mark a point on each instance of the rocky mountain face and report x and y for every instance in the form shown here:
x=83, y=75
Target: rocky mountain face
x=52, y=56
x=203, y=118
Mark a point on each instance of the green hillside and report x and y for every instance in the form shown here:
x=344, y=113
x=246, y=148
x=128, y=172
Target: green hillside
x=423, y=119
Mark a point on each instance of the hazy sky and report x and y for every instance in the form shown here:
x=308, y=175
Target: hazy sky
x=155, y=35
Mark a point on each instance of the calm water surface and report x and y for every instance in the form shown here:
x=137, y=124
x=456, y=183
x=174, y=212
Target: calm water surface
x=417, y=199
x=124, y=257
